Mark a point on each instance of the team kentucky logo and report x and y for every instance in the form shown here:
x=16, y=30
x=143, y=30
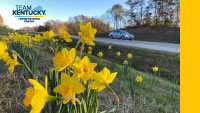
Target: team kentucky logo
x=29, y=14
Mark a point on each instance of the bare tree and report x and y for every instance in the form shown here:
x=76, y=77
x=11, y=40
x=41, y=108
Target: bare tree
x=117, y=13
x=133, y=15
x=177, y=2
x=141, y=8
x=1, y=21
x=147, y=16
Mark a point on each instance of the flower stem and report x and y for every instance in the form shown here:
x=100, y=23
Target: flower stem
x=116, y=97
x=25, y=64
x=77, y=44
x=82, y=48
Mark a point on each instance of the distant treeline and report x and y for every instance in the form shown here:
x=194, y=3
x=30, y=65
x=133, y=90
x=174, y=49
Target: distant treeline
x=72, y=25
x=146, y=13
x=2, y=25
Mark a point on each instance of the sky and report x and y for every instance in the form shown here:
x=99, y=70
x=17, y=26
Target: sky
x=56, y=10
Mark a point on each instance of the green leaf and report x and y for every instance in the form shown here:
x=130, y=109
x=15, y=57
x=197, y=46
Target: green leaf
x=110, y=110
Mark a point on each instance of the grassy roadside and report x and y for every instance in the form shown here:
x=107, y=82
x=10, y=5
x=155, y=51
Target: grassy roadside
x=4, y=31
x=160, y=97
x=143, y=59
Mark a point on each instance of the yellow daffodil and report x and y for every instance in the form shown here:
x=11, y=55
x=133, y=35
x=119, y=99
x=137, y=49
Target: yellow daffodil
x=64, y=35
x=109, y=47
x=102, y=79
x=3, y=51
x=48, y=35
x=4, y=39
x=25, y=39
x=83, y=68
x=125, y=62
x=90, y=48
x=69, y=87
x=139, y=78
x=118, y=53
x=12, y=63
x=90, y=52
x=38, y=96
x=155, y=68
x=37, y=38
x=15, y=37
x=63, y=59
x=10, y=35
x=55, y=40
x=100, y=54
x=129, y=55
x=87, y=33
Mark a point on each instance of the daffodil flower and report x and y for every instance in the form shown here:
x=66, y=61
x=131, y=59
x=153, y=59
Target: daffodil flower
x=83, y=68
x=12, y=62
x=90, y=48
x=38, y=96
x=87, y=33
x=3, y=51
x=4, y=39
x=37, y=38
x=155, y=69
x=125, y=62
x=102, y=79
x=129, y=55
x=90, y=52
x=139, y=78
x=69, y=87
x=118, y=53
x=63, y=59
x=64, y=35
x=100, y=54
x=48, y=35
x=109, y=47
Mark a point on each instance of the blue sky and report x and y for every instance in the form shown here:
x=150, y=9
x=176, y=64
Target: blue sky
x=56, y=9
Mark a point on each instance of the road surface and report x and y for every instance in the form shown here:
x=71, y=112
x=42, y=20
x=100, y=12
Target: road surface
x=168, y=47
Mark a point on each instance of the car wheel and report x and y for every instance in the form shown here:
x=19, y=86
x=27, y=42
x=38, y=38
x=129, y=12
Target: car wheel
x=122, y=37
x=111, y=36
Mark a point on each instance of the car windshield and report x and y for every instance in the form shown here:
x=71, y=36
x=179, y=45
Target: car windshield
x=124, y=32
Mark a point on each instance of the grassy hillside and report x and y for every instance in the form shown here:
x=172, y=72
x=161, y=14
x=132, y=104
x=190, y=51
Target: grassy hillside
x=154, y=94
x=143, y=59
x=160, y=96
x=154, y=34
x=3, y=31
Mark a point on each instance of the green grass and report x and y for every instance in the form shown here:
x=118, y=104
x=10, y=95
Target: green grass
x=143, y=59
x=4, y=32
x=160, y=97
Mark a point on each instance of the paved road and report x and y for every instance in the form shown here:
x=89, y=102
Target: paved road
x=168, y=47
